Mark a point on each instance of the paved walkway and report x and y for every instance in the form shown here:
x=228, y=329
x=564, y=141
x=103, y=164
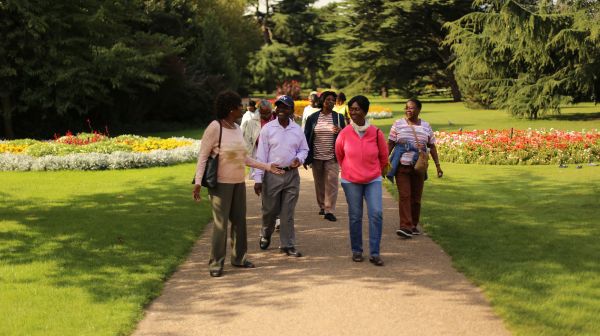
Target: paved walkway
x=417, y=292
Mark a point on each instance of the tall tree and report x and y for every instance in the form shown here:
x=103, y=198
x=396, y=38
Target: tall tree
x=415, y=36
x=296, y=50
x=120, y=62
x=396, y=44
x=70, y=56
x=528, y=57
x=357, y=59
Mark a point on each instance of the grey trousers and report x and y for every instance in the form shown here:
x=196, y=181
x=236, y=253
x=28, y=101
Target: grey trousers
x=279, y=197
x=228, y=202
x=326, y=176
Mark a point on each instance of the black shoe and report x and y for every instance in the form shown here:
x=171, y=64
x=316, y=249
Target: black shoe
x=291, y=251
x=357, y=257
x=322, y=212
x=216, y=273
x=264, y=242
x=416, y=231
x=330, y=217
x=404, y=233
x=246, y=264
x=376, y=260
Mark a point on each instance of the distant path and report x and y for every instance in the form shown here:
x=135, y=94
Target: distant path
x=417, y=292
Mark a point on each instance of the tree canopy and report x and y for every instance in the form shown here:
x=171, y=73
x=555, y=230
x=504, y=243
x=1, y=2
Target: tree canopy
x=528, y=57
x=117, y=63
x=134, y=64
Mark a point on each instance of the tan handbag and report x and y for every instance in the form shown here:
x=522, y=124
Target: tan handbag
x=423, y=159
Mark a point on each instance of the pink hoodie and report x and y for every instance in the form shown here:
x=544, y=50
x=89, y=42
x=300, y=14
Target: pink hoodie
x=361, y=159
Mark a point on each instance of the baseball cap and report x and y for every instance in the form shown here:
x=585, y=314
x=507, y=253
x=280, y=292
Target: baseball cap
x=287, y=100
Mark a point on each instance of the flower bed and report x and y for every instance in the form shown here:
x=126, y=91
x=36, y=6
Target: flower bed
x=514, y=147
x=379, y=114
x=94, y=151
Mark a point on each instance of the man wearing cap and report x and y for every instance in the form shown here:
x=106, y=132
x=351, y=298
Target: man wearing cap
x=282, y=142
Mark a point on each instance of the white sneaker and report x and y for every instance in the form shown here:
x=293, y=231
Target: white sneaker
x=277, y=224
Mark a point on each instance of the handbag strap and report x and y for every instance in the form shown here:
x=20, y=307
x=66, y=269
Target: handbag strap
x=415, y=134
x=220, y=134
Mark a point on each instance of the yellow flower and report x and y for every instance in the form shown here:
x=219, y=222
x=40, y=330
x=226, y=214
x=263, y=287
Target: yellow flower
x=151, y=144
x=13, y=149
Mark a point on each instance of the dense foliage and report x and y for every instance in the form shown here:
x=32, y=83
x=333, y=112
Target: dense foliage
x=143, y=65
x=294, y=48
x=383, y=45
x=528, y=57
x=118, y=63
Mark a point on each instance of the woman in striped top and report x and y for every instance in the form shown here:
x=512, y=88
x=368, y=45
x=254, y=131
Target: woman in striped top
x=409, y=182
x=321, y=131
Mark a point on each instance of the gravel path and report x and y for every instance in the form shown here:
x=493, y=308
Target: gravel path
x=417, y=292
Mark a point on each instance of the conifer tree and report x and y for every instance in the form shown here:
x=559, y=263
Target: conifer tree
x=395, y=44
x=528, y=57
x=296, y=49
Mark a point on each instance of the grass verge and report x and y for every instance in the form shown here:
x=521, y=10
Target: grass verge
x=82, y=253
x=528, y=236
x=448, y=116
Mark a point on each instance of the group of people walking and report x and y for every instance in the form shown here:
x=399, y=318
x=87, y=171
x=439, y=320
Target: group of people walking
x=275, y=146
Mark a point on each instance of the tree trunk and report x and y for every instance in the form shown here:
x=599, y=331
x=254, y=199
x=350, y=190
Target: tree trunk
x=456, y=95
x=533, y=114
x=313, y=79
x=265, y=29
x=384, y=92
x=7, y=110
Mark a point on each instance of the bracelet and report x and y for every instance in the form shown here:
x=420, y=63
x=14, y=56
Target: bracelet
x=437, y=164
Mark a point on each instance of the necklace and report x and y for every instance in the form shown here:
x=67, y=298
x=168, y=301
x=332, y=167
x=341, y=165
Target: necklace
x=228, y=124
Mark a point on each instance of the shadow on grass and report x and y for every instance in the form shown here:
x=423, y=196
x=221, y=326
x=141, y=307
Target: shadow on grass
x=423, y=100
x=575, y=117
x=532, y=242
x=111, y=245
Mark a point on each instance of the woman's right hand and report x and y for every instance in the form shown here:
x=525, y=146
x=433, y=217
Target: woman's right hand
x=196, y=193
x=274, y=170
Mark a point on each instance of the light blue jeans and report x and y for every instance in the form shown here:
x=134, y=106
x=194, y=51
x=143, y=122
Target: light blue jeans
x=372, y=193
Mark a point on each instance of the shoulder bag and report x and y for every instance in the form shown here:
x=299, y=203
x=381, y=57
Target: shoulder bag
x=423, y=159
x=209, y=179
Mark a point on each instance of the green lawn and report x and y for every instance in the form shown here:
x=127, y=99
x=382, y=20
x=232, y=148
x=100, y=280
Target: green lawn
x=527, y=235
x=81, y=253
x=444, y=115
x=448, y=116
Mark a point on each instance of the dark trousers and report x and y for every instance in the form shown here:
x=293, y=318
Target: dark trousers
x=410, y=189
x=228, y=202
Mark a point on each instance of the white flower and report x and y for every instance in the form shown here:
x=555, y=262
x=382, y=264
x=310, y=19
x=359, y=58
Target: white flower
x=98, y=161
